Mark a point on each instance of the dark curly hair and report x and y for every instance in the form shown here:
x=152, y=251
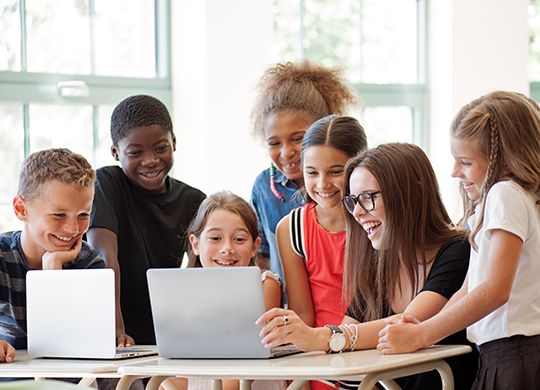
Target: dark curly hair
x=136, y=111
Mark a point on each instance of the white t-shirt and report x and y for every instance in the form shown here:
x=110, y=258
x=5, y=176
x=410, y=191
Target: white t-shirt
x=509, y=207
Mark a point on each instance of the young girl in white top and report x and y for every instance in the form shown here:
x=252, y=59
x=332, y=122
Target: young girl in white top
x=496, y=147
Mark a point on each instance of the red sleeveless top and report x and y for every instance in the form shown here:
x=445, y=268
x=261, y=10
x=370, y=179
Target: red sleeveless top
x=324, y=253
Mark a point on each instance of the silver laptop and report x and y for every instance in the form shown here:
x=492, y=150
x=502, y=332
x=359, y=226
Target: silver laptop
x=71, y=314
x=209, y=313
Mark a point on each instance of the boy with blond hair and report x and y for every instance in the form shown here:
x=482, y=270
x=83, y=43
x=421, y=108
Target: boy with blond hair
x=54, y=201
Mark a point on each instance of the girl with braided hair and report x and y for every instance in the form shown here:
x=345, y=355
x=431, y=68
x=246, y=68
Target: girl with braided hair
x=496, y=147
x=290, y=97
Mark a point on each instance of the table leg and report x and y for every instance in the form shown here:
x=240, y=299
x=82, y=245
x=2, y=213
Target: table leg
x=87, y=381
x=441, y=366
x=216, y=384
x=126, y=381
x=245, y=384
x=297, y=384
x=446, y=375
x=155, y=382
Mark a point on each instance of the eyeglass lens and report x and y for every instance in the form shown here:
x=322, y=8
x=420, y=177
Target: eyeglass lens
x=365, y=200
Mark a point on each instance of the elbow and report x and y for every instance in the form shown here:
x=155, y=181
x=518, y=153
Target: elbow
x=498, y=296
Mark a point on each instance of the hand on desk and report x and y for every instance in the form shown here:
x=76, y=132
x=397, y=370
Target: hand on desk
x=282, y=326
x=7, y=352
x=400, y=335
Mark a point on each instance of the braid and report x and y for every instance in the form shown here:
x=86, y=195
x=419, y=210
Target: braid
x=492, y=171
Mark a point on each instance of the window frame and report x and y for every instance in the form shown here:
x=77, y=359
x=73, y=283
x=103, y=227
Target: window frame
x=25, y=88
x=411, y=95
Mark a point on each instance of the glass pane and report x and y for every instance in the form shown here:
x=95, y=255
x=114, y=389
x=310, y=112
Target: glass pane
x=11, y=149
x=332, y=34
x=58, y=36
x=386, y=124
x=389, y=43
x=103, y=141
x=61, y=127
x=125, y=38
x=10, y=36
x=534, y=40
x=286, y=30
x=374, y=40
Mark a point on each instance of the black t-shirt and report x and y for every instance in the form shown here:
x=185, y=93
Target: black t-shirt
x=150, y=230
x=445, y=278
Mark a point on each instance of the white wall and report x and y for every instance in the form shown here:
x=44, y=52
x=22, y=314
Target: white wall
x=475, y=46
x=220, y=48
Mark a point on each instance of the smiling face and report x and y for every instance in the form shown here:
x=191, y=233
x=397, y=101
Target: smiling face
x=225, y=241
x=470, y=167
x=324, y=168
x=146, y=156
x=55, y=220
x=363, y=181
x=283, y=134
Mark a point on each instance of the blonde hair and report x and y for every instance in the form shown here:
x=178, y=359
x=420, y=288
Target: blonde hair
x=223, y=200
x=506, y=129
x=306, y=88
x=54, y=164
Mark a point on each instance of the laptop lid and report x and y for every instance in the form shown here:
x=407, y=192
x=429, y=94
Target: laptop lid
x=207, y=312
x=71, y=314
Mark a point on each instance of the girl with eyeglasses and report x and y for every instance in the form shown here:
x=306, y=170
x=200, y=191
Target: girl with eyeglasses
x=403, y=255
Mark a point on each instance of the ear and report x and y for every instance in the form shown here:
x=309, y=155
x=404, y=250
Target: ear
x=194, y=241
x=19, y=207
x=114, y=152
x=174, y=143
x=256, y=246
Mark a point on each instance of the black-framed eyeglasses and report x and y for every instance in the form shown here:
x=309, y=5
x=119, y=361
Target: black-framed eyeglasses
x=365, y=199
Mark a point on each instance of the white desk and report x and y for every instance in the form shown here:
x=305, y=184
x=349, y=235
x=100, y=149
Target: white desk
x=370, y=366
x=88, y=370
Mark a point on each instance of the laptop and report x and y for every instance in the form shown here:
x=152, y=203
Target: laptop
x=71, y=314
x=209, y=313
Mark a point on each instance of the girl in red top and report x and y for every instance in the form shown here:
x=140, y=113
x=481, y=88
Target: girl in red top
x=311, y=239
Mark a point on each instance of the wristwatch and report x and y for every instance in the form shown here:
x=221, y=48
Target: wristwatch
x=337, y=340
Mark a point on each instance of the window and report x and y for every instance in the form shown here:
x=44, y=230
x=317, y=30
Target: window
x=534, y=48
x=380, y=44
x=64, y=65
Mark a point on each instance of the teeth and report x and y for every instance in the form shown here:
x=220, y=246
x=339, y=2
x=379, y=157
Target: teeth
x=65, y=239
x=293, y=165
x=369, y=227
x=150, y=175
x=326, y=195
x=225, y=262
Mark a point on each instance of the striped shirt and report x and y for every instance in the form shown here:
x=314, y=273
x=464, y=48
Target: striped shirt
x=13, y=268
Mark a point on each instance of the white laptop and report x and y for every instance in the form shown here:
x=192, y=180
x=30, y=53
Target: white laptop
x=71, y=314
x=209, y=313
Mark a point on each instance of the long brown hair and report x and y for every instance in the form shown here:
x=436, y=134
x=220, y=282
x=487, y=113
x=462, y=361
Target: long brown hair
x=506, y=129
x=415, y=222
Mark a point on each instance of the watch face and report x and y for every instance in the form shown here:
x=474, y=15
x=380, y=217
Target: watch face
x=337, y=342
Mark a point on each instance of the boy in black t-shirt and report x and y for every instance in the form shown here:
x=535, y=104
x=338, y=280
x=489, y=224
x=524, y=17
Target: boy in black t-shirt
x=140, y=214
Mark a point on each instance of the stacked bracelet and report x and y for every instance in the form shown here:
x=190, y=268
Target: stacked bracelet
x=352, y=332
